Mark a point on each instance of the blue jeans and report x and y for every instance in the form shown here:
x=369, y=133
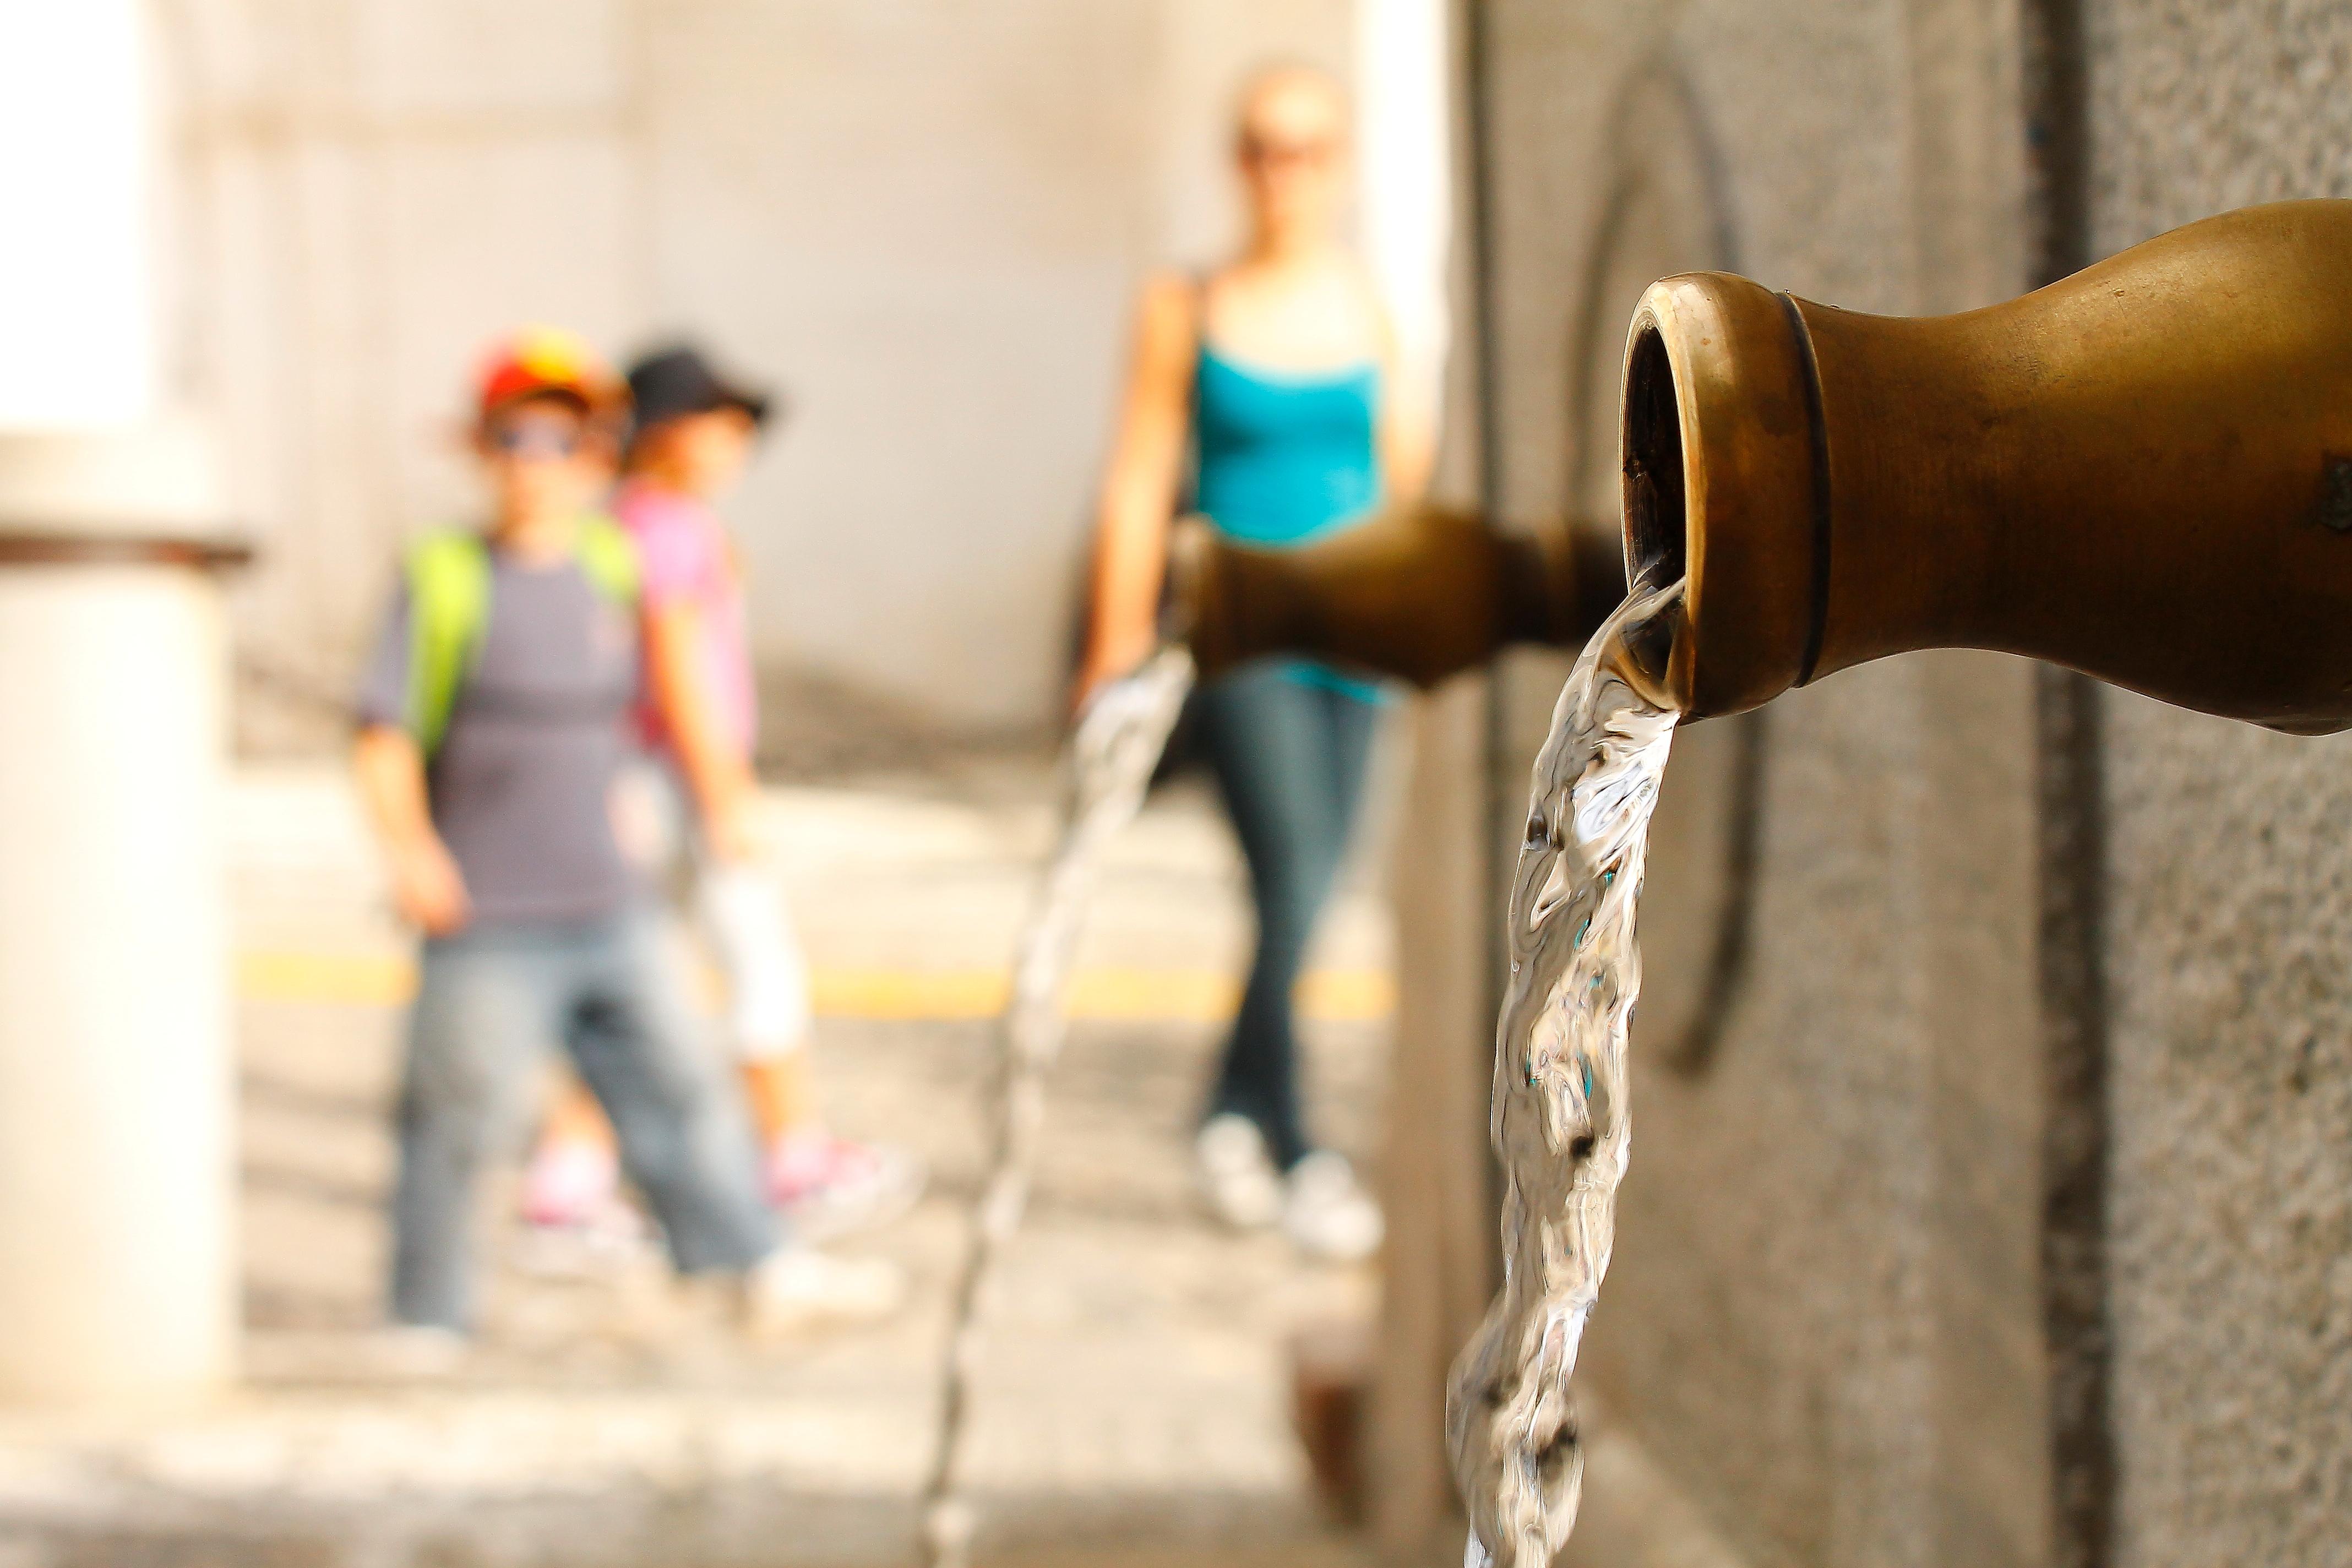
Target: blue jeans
x=1290, y=756
x=488, y=1003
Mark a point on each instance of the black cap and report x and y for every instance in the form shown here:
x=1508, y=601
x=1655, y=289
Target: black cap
x=675, y=382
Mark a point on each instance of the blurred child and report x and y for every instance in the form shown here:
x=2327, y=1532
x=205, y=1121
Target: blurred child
x=493, y=723
x=694, y=433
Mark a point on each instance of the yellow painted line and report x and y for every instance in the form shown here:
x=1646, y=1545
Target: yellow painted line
x=1106, y=993
x=908, y=993
x=349, y=979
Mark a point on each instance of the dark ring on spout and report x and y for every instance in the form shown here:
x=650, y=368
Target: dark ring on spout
x=1818, y=429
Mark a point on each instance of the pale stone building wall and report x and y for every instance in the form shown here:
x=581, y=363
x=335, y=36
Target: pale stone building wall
x=924, y=220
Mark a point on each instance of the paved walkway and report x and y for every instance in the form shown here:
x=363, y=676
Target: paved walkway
x=1132, y=1403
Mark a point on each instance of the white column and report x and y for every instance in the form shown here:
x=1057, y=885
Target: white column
x=1404, y=163
x=116, y=1262
x=117, y=1268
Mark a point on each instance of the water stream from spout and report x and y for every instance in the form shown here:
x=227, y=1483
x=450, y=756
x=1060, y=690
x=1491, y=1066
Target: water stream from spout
x=1106, y=771
x=1560, y=1118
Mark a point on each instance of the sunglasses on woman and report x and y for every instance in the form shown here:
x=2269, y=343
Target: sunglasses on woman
x=1269, y=153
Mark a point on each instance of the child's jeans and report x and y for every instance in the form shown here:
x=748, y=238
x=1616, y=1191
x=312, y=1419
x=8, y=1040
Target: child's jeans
x=488, y=1004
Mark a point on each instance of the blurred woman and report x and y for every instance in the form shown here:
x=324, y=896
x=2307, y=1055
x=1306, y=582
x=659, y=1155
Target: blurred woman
x=1271, y=385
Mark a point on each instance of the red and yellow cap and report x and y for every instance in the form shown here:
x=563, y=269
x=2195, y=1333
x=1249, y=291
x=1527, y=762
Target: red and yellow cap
x=547, y=362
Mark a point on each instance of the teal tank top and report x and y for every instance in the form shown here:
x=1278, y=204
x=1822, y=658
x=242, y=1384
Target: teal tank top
x=1285, y=459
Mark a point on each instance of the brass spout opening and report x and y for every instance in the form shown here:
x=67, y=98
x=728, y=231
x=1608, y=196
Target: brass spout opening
x=2143, y=472
x=1721, y=487
x=1656, y=523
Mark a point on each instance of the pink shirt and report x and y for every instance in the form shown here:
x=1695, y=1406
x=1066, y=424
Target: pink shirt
x=683, y=559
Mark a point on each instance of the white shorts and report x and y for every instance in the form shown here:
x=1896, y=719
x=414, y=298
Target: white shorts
x=740, y=911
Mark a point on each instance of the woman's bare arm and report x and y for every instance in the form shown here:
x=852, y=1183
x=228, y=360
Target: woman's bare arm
x=1408, y=427
x=716, y=770
x=1138, y=492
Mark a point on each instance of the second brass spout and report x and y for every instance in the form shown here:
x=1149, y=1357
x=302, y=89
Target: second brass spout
x=1419, y=593
x=2143, y=472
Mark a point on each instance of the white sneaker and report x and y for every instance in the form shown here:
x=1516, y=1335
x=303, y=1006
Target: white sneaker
x=1238, y=1176
x=1326, y=1214
x=799, y=1288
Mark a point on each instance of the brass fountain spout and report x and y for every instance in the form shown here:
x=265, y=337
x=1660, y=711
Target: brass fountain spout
x=1420, y=593
x=2143, y=472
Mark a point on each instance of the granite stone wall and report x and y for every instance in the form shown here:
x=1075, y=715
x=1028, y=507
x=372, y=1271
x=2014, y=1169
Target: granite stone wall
x=2229, y=945
x=1825, y=1321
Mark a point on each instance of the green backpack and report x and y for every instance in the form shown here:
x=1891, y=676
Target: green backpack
x=448, y=575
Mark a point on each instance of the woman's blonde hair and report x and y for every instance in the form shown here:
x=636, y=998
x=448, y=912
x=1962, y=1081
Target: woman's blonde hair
x=1280, y=71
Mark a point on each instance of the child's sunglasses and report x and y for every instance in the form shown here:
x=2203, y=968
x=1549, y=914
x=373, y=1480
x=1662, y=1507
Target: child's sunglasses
x=545, y=439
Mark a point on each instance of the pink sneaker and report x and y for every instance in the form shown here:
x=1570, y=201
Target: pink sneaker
x=569, y=1184
x=575, y=1222
x=827, y=1186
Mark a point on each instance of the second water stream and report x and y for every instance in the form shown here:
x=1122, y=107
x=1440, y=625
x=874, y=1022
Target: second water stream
x=1561, y=1119
x=1108, y=766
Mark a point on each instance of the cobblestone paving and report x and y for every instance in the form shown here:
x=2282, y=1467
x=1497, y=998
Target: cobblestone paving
x=1133, y=1398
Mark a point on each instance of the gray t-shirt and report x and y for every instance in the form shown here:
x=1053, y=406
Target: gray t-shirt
x=522, y=786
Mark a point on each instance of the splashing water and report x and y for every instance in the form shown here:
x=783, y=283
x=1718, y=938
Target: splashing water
x=1561, y=1123
x=1108, y=766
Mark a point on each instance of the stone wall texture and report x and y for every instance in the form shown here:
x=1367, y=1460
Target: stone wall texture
x=2231, y=920
x=1824, y=1320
